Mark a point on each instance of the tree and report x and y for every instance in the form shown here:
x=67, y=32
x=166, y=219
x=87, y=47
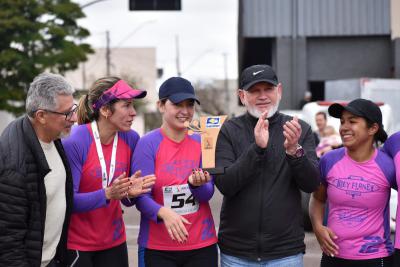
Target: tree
x=212, y=99
x=37, y=36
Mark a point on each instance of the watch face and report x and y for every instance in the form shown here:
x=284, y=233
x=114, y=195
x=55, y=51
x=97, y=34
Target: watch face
x=299, y=152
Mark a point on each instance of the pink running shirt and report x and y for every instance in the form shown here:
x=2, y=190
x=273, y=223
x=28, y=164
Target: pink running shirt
x=96, y=224
x=172, y=163
x=358, y=196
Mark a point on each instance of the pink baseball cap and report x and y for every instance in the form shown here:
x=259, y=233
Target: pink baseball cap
x=120, y=90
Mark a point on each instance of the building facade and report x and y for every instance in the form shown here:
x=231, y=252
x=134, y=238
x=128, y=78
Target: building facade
x=135, y=64
x=310, y=41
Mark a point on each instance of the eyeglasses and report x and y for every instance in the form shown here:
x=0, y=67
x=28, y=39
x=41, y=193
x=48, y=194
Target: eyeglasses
x=68, y=115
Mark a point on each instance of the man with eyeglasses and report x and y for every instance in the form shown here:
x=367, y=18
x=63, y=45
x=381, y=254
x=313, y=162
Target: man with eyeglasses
x=68, y=114
x=35, y=178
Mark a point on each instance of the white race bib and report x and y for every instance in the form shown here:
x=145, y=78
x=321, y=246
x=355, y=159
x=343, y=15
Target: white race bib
x=180, y=199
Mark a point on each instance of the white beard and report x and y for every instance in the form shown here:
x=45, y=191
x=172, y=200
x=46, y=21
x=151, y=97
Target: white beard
x=63, y=135
x=256, y=113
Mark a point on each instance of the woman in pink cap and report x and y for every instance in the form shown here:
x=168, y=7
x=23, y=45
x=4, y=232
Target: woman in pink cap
x=99, y=151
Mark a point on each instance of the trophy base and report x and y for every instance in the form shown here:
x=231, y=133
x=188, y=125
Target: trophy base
x=215, y=171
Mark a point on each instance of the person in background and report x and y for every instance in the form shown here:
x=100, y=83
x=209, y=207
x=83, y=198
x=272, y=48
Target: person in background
x=329, y=140
x=355, y=186
x=321, y=122
x=268, y=157
x=35, y=177
x=176, y=227
x=392, y=148
x=307, y=99
x=100, y=151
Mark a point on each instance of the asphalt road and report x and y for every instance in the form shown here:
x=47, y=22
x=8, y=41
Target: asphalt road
x=132, y=219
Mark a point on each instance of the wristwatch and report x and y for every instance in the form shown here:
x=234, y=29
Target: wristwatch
x=298, y=153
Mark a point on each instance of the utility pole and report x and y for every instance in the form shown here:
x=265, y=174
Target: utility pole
x=178, y=67
x=226, y=85
x=108, y=53
x=83, y=76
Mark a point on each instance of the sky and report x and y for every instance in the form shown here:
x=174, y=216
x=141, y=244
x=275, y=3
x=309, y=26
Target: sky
x=206, y=30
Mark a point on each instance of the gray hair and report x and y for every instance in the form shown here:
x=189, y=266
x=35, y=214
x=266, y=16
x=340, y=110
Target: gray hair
x=43, y=92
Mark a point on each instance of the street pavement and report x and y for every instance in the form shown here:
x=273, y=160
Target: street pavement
x=132, y=219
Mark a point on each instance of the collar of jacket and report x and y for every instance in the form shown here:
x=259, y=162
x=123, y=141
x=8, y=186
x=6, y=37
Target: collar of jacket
x=253, y=120
x=33, y=144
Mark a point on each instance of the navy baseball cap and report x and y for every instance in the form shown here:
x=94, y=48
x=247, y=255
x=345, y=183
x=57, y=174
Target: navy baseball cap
x=177, y=89
x=361, y=108
x=257, y=73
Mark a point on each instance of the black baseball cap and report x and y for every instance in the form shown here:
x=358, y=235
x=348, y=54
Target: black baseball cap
x=177, y=89
x=361, y=108
x=255, y=74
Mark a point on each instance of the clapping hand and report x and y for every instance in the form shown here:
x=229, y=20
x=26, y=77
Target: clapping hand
x=140, y=185
x=261, y=132
x=119, y=187
x=292, y=133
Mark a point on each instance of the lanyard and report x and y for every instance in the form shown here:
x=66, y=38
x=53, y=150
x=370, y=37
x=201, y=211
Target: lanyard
x=106, y=180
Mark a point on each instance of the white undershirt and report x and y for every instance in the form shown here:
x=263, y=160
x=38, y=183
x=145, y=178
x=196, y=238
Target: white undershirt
x=56, y=204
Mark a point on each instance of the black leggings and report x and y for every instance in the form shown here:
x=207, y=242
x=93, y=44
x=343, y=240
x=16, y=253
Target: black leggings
x=327, y=261
x=116, y=257
x=396, y=257
x=202, y=257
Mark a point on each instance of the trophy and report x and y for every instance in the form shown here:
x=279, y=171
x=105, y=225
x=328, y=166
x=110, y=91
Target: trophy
x=208, y=128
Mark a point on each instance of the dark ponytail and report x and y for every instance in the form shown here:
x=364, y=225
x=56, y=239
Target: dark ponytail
x=86, y=113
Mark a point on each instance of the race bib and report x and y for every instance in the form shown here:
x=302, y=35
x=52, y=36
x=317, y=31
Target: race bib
x=180, y=199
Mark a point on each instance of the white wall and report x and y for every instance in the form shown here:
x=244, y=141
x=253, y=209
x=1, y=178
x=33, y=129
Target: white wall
x=395, y=18
x=138, y=124
x=5, y=119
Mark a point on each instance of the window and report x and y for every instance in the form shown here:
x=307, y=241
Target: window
x=154, y=5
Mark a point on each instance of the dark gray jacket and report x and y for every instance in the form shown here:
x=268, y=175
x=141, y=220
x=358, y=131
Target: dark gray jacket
x=261, y=215
x=23, y=167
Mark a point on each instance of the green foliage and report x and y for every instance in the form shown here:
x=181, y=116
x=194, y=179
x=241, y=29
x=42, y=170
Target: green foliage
x=37, y=36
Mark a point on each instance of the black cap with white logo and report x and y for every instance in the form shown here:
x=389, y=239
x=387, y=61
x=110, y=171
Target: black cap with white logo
x=361, y=108
x=255, y=74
